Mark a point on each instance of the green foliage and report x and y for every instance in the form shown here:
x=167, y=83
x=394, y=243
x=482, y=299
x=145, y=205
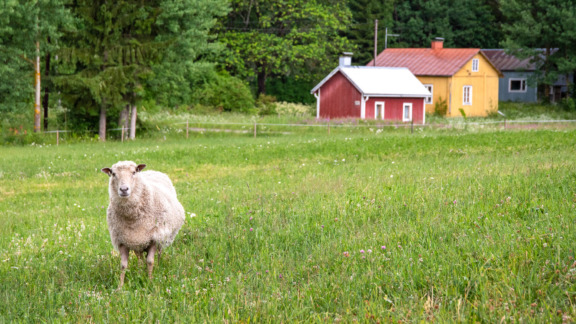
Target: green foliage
x=468, y=23
x=22, y=25
x=361, y=31
x=543, y=31
x=295, y=109
x=291, y=89
x=225, y=93
x=293, y=38
x=440, y=107
x=266, y=105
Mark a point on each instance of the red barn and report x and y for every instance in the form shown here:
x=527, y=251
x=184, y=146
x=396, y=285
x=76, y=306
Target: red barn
x=364, y=92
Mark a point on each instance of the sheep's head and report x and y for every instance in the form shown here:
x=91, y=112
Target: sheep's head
x=123, y=176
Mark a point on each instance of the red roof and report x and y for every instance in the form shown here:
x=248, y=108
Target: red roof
x=427, y=61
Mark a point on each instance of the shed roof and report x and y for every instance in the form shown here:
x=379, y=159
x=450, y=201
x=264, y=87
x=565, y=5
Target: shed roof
x=380, y=81
x=428, y=61
x=507, y=62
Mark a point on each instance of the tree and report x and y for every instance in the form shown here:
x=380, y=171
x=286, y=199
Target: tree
x=122, y=47
x=29, y=32
x=466, y=23
x=545, y=31
x=361, y=31
x=286, y=37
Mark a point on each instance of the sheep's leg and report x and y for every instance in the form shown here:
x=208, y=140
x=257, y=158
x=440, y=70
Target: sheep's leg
x=150, y=258
x=124, y=253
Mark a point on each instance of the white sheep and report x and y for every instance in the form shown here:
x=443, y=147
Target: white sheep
x=144, y=214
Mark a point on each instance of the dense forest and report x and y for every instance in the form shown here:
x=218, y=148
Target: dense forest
x=101, y=60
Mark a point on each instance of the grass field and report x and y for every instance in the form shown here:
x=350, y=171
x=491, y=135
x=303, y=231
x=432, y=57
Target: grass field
x=373, y=227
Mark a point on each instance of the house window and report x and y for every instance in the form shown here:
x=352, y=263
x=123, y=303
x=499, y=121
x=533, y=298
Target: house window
x=517, y=85
x=475, y=63
x=430, y=88
x=407, y=112
x=467, y=95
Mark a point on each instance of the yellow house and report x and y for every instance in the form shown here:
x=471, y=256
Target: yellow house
x=457, y=78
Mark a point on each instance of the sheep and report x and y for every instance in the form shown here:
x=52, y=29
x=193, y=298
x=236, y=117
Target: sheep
x=144, y=214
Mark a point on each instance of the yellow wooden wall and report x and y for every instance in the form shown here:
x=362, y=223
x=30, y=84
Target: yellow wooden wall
x=484, y=89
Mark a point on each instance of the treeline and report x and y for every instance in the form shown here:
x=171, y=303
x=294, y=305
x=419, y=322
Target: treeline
x=102, y=60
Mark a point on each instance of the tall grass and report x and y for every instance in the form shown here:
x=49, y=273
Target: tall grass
x=448, y=226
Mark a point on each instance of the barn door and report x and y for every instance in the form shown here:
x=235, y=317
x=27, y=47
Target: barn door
x=379, y=110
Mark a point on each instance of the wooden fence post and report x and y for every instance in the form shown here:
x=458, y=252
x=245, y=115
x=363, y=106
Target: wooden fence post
x=122, y=134
x=255, y=129
x=57, y=137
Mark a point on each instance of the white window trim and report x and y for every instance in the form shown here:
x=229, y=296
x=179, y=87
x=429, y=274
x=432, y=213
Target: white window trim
x=469, y=102
x=381, y=111
x=475, y=65
x=428, y=100
x=404, y=105
x=517, y=79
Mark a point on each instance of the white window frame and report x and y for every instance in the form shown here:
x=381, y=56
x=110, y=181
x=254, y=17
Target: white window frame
x=429, y=87
x=522, y=85
x=381, y=114
x=467, y=98
x=404, y=106
x=475, y=65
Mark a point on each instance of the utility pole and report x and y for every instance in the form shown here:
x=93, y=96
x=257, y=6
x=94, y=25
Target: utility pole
x=386, y=38
x=375, y=40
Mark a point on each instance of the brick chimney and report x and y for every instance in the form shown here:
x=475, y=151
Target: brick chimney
x=346, y=59
x=438, y=43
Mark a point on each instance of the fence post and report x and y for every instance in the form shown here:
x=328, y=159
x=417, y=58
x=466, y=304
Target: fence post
x=255, y=129
x=57, y=137
x=122, y=135
x=328, y=126
x=186, y=128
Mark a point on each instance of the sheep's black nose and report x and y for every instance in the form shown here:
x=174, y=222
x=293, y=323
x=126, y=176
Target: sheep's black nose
x=124, y=189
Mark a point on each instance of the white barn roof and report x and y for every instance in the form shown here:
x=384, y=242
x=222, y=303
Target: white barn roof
x=381, y=81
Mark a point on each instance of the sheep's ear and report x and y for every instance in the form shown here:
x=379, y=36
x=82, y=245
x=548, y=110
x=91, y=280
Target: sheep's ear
x=140, y=167
x=108, y=171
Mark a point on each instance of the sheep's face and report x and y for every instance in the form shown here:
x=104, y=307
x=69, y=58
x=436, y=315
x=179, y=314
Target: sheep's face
x=123, y=176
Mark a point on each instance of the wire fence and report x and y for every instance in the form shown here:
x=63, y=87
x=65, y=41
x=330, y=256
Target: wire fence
x=256, y=128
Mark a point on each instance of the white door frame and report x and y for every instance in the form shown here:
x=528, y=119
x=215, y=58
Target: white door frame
x=383, y=105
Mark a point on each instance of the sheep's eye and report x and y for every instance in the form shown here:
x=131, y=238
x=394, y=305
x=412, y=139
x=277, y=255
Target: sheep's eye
x=133, y=172
x=113, y=174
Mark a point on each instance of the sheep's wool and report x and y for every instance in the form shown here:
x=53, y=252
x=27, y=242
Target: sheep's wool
x=152, y=212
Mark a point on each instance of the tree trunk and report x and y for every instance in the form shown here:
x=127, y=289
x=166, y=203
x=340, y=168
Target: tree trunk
x=102, y=128
x=38, y=91
x=262, y=81
x=123, y=120
x=133, y=122
x=46, y=92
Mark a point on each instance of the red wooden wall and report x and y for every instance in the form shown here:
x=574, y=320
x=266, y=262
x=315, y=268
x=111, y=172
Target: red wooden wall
x=337, y=98
x=393, y=108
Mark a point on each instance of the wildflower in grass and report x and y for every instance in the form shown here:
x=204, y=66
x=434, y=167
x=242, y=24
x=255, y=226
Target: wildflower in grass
x=383, y=247
x=280, y=276
x=322, y=226
x=251, y=218
x=346, y=254
x=369, y=251
x=251, y=229
x=361, y=251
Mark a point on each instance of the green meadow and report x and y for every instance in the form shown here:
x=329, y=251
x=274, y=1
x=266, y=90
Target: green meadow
x=446, y=226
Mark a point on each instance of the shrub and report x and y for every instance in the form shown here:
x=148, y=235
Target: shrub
x=440, y=107
x=295, y=109
x=226, y=93
x=266, y=105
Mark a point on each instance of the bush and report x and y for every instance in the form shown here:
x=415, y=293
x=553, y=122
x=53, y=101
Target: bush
x=266, y=105
x=226, y=93
x=568, y=104
x=295, y=109
x=440, y=107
